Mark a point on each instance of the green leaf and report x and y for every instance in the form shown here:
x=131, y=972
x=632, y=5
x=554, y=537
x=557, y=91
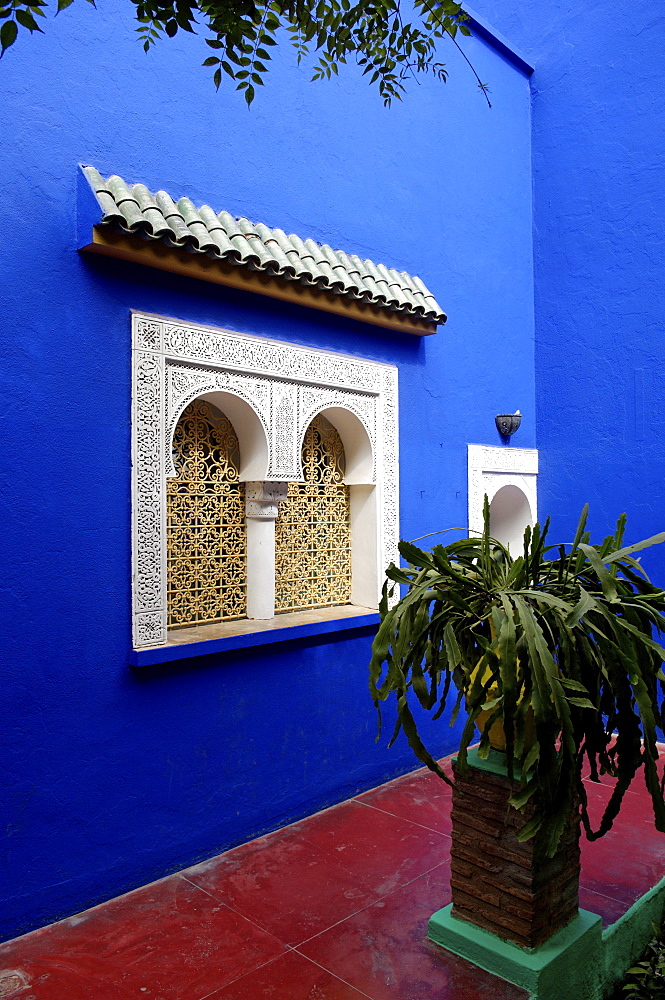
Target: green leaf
x=452, y=648
x=580, y=702
x=27, y=20
x=8, y=33
x=606, y=579
x=585, y=604
x=637, y=547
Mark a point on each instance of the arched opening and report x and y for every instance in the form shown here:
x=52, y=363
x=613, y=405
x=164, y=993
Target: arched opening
x=510, y=514
x=357, y=445
x=253, y=462
x=313, y=529
x=205, y=521
x=360, y=477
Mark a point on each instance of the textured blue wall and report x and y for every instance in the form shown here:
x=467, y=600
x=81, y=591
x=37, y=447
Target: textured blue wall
x=599, y=210
x=116, y=778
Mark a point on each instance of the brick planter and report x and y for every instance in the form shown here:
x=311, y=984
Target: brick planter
x=496, y=883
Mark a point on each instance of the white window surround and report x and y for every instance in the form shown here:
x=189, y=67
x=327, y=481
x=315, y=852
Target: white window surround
x=490, y=469
x=270, y=391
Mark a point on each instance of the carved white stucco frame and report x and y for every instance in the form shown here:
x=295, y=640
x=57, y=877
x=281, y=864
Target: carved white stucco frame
x=285, y=385
x=491, y=468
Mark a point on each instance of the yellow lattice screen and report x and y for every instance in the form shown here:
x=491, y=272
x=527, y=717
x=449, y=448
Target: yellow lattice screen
x=206, y=542
x=313, y=532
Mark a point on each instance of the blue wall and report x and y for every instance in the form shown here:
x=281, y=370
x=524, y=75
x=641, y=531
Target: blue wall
x=118, y=777
x=599, y=211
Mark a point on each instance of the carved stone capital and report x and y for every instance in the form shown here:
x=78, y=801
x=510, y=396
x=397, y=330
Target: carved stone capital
x=262, y=500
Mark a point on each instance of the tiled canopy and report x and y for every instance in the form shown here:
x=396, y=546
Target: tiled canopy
x=133, y=209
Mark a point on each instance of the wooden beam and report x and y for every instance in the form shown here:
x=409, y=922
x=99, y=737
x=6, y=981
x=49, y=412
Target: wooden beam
x=109, y=243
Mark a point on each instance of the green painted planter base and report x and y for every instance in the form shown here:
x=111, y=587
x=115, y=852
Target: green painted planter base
x=567, y=967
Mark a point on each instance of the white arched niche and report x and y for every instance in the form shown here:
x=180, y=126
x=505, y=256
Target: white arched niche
x=251, y=434
x=359, y=477
x=248, y=427
x=510, y=514
x=253, y=450
x=508, y=478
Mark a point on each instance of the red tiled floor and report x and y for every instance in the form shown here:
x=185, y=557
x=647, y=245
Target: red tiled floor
x=285, y=884
x=630, y=859
x=167, y=941
x=291, y=977
x=421, y=798
x=376, y=849
x=351, y=888
x=384, y=950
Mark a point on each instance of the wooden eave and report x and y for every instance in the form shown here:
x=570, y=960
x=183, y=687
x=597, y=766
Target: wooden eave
x=109, y=242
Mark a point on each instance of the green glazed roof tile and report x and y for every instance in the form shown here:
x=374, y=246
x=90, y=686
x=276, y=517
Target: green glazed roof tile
x=238, y=241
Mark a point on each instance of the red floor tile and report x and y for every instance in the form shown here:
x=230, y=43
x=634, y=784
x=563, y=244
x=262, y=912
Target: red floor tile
x=609, y=909
x=377, y=850
x=637, y=785
x=421, y=798
x=384, y=951
x=628, y=860
x=285, y=884
x=167, y=941
x=620, y=867
x=636, y=801
x=291, y=977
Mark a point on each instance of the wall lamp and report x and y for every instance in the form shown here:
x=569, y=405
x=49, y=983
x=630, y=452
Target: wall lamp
x=508, y=423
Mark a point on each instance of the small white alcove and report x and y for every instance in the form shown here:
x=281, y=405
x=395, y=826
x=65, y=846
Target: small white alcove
x=508, y=478
x=510, y=514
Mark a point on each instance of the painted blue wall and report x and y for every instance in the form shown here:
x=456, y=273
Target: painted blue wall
x=599, y=211
x=118, y=777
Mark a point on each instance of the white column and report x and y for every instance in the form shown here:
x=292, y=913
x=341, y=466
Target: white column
x=261, y=508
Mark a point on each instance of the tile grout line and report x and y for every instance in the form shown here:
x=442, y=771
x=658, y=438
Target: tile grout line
x=380, y=899
x=294, y=947
x=287, y=947
x=305, y=958
x=613, y=899
x=234, y=909
x=421, y=826
x=331, y=973
x=250, y=973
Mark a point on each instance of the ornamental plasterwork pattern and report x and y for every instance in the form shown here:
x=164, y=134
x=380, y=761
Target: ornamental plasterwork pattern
x=204, y=345
x=388, y=447
x=286, y=385
x=313, y=400
x=185, y=383
x=148, y=492
x=490, y=468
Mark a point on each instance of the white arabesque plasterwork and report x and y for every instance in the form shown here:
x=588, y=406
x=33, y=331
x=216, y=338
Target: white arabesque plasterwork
x=491, y=468
x=285, y=386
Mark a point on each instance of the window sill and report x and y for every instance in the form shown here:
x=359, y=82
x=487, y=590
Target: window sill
x=186, y=643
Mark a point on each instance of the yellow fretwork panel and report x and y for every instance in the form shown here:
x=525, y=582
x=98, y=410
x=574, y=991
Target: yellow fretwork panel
x=313, y=531
x=205, y=509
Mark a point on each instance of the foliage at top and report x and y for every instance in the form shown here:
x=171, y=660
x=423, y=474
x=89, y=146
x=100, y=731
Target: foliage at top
x=557, y=643
x=391, y=47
